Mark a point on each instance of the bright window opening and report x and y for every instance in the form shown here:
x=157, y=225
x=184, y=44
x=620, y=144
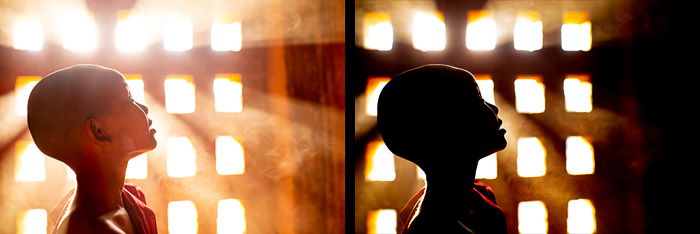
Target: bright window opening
x=576, y=32
x=79, y=32
x=28, y=34
x=130, y=32
x=23, y=87
x=179, y=94
x=230, y=218
x=30, y=163
x=487, y=167
x=581, y=218
x=531, y=160
x=228, y=93
x=182, y=217
x=381, y=221
x=33, y=221
x=378, y=32
x=380, y=162
x=579, y=156
x=485, y=84
x=429, y=31
x=529, y=94
x=178, y=34
x=527, y=33
x=136, y=87
x=532, y=217
x=229, y=156
x=182, y=158
x=374, y=88
x=226, y=36
x=137, y=167
x=577, y=93
x=481, y=30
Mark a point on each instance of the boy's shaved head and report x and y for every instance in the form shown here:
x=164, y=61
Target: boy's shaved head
x=61, y=103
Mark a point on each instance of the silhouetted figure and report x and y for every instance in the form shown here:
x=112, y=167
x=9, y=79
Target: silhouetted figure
x=85, y=117
x=435, y=117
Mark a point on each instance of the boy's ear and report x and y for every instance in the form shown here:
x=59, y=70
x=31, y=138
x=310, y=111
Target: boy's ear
x=96, y=131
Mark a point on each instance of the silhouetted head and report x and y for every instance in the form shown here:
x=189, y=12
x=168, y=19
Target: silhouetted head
x=87, y=110
x=434, y=115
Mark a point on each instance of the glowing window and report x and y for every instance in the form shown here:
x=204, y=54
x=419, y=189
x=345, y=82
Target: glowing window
x=228, y=93
x=579, y=156
x=428, y=31
x=182, y=158
x=374, y=88
x=178, y=34
x=28, y=34
x=33, y=221
x=581, y=217
x=138, y=167
x=226, y=36
x=23, y=87
x=532, y=217
x=135, y=83
x=381, y=221
x=30, y=164
x=79, y=32
x=130, y=32
x=182, y=217
x=378, y=32
x=576, y=32
x=485, y=84
x=577, y=93
x=179, y=94
x=230, y=217
x=487, y=167
x=481, y=30
x=229, y=156
x=529, y=94
x=531, y=157
x=527, y=34
x=380, y=162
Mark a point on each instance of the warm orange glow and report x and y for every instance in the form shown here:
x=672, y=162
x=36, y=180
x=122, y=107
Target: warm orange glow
x=135, y=83
x=130, y=32
x=28, y=34
x=381, y=221
x=378, y=32
x=577, y=93
x=527, y=33
x=380, y=162
x=485, y=84
x=580, y=159
x=487, y=167
x=581, y=218
x=30, y=164
x=182, y=158
x=138, y=167
x=531, y=160
x=32, y=221
x=529, y=94
x=532, y=217
x=178, y=34
x=228, y=93
x=79, y=32
x=23, y=87
x=230, y=218
x=179, y=94
x=182, y=217
x=229, y=156
x=226, y=36
x=576, y=31
x=429, y=31
x=374, y=88
x=481, y=30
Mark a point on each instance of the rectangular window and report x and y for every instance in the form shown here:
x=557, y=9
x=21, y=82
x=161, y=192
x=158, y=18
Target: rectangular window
x=531, y=158
x=228, y=93
x=577, y=93
x=30, y=163
x=226, y=36
x=230, y=158
x=130, y=32
x=178, y=34
x=374, y=88
x=380, y=162
x=230, y=217
x=33, y=221
x=485, y=84
x=429, y=31
x=79, y=32
x=482, y=32
x=137, y=167
x=136, y=87
x=581, y=217
x=28, y=34
x=182, y=158
x=527, y=34
x=487, y=167
x=529, y=94
x=576, y=31
x=381, y=221
x=378, y=32
x=182, y=217
x=23, y=87
x=532, y=217
x=179, y=94
x=579, y=156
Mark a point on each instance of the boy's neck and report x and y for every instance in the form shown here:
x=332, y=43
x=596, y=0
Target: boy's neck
x=449, y=190
x=100, y=186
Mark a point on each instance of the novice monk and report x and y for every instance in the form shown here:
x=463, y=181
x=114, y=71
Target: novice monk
x=435, y=117
x=85, y=117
